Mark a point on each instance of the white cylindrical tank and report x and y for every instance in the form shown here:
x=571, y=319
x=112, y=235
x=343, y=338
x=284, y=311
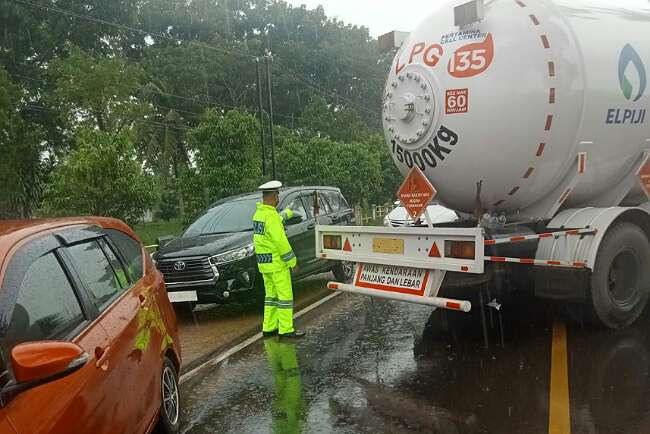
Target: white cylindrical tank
x=511, y=99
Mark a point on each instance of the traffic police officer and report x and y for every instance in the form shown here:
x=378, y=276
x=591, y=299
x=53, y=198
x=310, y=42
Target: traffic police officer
x=275, y=260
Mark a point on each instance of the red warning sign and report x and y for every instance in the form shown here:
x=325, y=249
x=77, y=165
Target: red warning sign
x=416, y=193
x=404, y=280
x=346, y=246
x=644, y=176
x=456, y=101
x=434, y=252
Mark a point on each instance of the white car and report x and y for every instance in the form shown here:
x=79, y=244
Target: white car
x=438, y=214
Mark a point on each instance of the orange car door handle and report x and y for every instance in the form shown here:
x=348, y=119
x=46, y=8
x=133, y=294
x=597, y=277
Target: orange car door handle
x=143, y=300
x=102, y=357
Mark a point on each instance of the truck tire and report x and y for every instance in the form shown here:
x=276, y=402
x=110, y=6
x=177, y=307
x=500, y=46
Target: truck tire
x=170, y=403
x=343, y=271
x=620, y=279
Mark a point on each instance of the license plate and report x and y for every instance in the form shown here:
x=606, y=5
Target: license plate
x=182, y=296
x=391, y=246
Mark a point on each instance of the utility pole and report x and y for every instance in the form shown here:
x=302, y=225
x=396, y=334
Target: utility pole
x=261, y=113
x=269, y=58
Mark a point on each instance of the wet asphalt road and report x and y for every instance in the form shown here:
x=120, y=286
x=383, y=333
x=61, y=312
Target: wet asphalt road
x=374, y=366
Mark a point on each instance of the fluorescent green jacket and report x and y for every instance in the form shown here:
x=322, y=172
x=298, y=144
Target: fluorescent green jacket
x=272, y=248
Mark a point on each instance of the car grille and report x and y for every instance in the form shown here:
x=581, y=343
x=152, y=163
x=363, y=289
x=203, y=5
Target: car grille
x=195, y=270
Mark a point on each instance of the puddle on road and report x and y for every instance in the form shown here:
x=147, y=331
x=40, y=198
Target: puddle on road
x=609, y=379
x=210, y=328
x=385, y=367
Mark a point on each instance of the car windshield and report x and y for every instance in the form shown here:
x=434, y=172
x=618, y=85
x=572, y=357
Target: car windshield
x=223, y=219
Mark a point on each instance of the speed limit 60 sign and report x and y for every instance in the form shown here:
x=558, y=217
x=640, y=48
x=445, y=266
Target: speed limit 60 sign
x=456, y=101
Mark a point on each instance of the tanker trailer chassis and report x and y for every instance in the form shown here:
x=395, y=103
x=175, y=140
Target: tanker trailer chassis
x=596, y=256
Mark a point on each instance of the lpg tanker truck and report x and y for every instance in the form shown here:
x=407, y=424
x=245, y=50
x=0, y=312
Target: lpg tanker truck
x=529, y=119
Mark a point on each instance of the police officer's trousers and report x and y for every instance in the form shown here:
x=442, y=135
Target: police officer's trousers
x=278, y=302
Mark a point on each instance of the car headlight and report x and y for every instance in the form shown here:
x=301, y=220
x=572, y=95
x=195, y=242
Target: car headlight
x=386, y=221
x=233, y=255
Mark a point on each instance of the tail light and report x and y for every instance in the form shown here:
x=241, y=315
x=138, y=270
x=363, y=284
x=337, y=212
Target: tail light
x=460, y=249
x=332, y=242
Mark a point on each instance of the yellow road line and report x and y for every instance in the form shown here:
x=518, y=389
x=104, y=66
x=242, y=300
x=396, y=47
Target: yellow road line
x=559, y=418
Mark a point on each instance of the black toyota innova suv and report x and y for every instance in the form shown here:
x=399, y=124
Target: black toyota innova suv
x=214, y=258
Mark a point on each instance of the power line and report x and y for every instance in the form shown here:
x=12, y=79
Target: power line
x=132, y=29
x=363, y=71
x=205, y=101
x=196, y=43
x=289, y=73
x=121, y=117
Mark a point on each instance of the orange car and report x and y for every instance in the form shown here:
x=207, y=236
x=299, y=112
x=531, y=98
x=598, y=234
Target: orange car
x=88, y=337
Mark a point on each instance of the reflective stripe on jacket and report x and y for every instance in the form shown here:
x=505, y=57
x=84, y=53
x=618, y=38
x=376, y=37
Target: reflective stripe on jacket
x=272, y=248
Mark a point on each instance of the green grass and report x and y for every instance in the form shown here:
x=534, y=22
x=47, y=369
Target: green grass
x=149, y=232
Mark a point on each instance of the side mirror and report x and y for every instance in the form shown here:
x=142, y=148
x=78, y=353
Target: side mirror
x=35, y=363
x=162, y=241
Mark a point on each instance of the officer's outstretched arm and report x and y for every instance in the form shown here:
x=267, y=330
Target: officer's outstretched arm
x=286, y=214
x=279, y=238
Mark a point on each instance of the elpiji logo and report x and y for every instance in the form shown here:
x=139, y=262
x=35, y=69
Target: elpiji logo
x=630, y=58
x=633, y=80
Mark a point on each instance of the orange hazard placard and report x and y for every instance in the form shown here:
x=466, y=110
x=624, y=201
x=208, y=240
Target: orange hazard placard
x=416, y=193
x=644, y=176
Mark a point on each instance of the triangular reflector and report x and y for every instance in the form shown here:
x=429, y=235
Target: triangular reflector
x=347, y=247
x=434, y=252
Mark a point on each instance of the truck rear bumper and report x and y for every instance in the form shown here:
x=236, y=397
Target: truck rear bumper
x=443, y=303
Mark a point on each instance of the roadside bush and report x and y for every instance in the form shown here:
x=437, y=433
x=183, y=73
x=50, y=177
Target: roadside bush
x=100, y=177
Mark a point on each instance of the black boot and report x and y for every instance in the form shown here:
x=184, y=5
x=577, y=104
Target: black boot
x=294, y=335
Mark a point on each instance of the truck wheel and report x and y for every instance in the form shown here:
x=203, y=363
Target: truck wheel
x=170, y=403
x=620, y=280
x=343, y=271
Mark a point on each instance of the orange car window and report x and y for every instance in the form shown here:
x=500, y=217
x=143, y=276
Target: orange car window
x=120, y=273
x=46, y=308
x=97, y=273
x=131, y=252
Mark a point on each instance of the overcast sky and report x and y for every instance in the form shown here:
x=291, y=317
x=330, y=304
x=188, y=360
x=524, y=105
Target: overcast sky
x=380, y=16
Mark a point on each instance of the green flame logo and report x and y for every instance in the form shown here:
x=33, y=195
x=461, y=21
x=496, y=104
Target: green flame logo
x=630, y=56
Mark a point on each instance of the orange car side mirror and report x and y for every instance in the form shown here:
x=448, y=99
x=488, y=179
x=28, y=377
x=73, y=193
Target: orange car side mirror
x=39, y=362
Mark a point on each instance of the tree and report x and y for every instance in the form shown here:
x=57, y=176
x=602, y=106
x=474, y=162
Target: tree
x=391, y=177
x=340, y=123
x=352, y=167
x=228, y=157
x=100, y=177
x=97, y=91
x=20, y=147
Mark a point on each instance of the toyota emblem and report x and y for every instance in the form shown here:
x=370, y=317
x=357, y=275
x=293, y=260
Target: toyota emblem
x=179, y=266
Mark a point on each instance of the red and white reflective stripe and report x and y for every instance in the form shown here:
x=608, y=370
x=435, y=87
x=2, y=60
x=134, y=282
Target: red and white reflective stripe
x=539, y=236
x=542, y=262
